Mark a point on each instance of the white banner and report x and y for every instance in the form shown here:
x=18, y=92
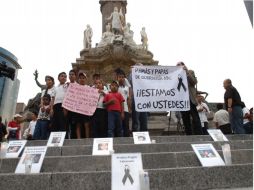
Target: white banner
x=160, y=88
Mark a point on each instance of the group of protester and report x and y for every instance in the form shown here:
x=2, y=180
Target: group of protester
x=116, y=104
x=110, y=119
x=235, y=118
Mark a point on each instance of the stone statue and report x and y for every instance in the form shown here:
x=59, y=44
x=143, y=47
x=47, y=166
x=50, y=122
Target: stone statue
x=121, y=16
x=34, y=103
x=107, y=37
x=88, y=33
x=116, y=21
x=128, y=35
x=36, y=74
x=144, y=39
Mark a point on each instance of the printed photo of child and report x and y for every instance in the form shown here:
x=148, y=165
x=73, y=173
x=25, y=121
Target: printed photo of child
x=56, y=140
x=35, y=158
x=141, y=138
x=103, y=146
x=13, y=149
x=206, y=153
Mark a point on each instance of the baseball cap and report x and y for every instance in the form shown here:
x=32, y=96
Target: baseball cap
x=17, y=115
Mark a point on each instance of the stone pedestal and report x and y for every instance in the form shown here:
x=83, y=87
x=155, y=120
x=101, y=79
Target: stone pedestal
x=104, y=60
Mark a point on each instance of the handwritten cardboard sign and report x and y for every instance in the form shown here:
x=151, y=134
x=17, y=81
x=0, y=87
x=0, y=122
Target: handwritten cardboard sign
x=81, y=99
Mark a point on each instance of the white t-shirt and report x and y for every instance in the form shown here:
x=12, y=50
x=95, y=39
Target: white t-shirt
x=51, y=92
x=202, y=114
x=101, y=98
x=124, y=90
x=245, y=110
x=127, y=83
x=221, y=117
x=44, y=115
x=60, y=93
x=32, y=127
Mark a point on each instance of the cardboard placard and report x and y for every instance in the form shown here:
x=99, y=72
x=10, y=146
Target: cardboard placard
x=81, y=99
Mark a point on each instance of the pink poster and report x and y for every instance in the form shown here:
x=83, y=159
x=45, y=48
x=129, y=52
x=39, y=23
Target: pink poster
x=81, y=99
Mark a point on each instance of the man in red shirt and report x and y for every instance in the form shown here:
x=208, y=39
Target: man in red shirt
x=14, y=128
x=114, y=104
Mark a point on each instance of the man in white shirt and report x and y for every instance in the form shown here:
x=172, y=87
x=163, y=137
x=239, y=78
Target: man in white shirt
x=221, y=120
x=125, y=91
x=247, y=125
x=203, y=109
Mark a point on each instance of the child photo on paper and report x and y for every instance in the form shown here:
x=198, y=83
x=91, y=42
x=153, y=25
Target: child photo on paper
x=13, y=149
x=56, y=140
x=141, y=138
x=35, y=158
x=103, y=146
x=206, y=153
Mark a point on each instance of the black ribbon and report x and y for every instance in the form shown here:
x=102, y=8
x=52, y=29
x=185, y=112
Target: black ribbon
x=180, y=84
x=127, y=175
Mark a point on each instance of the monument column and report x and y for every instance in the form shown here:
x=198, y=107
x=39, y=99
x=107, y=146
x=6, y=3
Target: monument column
x=107, y=7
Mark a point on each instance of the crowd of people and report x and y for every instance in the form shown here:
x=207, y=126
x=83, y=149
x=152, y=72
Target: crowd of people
x=115, y=106
x=110, y=119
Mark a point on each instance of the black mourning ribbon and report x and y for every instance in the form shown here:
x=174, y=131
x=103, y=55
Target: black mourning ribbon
x=127, y=175
x=180, y=84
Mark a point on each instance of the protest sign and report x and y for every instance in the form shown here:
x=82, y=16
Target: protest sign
x=102, y=146
x=126, y=170
x=31, y=160
x=14, y=149
x=56, y=139
x=217, y=135
x=207, y=155
x=141, y=138
x=81, y=99
x=160, y=88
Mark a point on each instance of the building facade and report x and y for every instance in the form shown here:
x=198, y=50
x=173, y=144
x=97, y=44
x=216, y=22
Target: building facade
x=8, y=88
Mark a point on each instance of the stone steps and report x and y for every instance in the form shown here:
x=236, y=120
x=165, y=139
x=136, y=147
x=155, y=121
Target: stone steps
x=143, y=148
x=103, y=163
x=171, y=164
x=129, y=140
x=191, y=178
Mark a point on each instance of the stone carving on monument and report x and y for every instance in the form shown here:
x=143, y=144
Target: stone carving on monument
x=34, y=103
x=144, y=39
x=88, y=34
x=117, y=48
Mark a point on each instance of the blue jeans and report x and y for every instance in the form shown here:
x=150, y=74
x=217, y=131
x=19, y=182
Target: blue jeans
x=248, y=127
x=41, y=130
x=236, y=120
x=114, y=122
x=139, y=119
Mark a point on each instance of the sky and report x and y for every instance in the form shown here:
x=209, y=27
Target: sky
x=213, y=37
